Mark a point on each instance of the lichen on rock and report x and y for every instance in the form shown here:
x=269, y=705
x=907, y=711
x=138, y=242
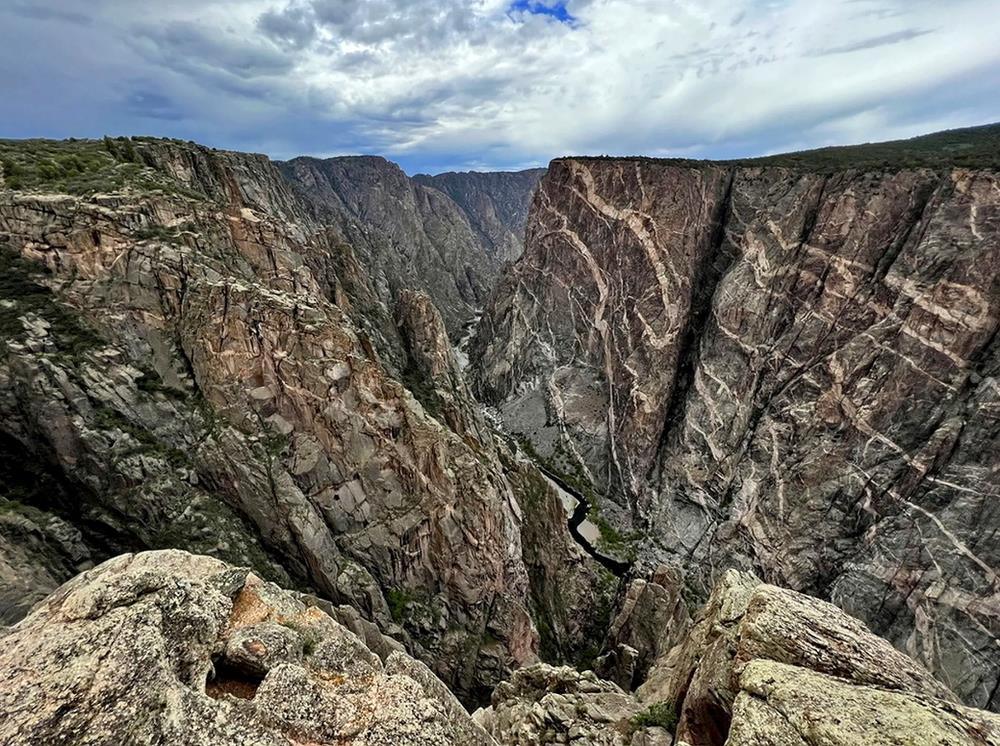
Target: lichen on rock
x=168, y=647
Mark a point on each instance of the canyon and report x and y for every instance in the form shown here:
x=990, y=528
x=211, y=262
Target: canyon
x=619, y=451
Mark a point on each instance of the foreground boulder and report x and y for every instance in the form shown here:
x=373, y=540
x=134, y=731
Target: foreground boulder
x=782, y=705
x=172, y=648
x=757, y=666
x=745, y=621
x=168, y=647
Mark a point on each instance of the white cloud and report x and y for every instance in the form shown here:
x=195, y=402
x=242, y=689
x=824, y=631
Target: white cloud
x=458, y=83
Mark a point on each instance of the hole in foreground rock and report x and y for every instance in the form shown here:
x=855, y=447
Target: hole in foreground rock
x=231, y=680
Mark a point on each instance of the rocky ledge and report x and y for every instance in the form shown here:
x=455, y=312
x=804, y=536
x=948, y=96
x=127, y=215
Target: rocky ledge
x=775, y=365
x=757, y=666
x=171, y=647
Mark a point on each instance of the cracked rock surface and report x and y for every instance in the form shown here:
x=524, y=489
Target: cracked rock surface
x=195, y=366
x=757, y=665
x=546, y=704
x=169, y=647
x=780, y=705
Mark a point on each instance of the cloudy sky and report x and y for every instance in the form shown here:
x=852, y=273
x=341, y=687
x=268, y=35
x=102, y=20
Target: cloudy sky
x=459, y=84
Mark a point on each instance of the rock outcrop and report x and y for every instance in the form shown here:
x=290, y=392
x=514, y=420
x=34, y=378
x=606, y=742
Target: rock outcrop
x=38, y=551
x=758, y=665
x=191, y=369
x=746, y=620
x=788, y=365
x=572, y=596
x=543, y=704
x=168, y=647
x=651, y=617
x=433, y=373
x=781, y=705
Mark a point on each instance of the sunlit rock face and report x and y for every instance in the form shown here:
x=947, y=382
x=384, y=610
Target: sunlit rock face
x=776, y=368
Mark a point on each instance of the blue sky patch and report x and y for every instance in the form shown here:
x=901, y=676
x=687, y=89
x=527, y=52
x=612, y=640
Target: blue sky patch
x=555, y=10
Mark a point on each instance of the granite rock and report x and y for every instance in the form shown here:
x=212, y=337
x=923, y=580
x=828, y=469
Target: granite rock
x=169, y=647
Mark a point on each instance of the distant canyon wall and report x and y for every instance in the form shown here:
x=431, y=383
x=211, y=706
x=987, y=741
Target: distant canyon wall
x=446, y=235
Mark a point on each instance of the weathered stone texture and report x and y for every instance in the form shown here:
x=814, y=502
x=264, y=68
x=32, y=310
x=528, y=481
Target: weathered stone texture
x=196, y=378
x=168, y=647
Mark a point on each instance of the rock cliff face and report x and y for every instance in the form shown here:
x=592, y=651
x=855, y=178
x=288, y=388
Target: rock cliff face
x=189, y=362
x=496, y=205
x=777, y=367
x=765, y=366
x=412, y=235
x=434, y=373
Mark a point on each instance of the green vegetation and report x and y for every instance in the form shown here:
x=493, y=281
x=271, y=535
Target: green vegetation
x=972, y=147
x=565, y=463
x=612, y=540
x=275, y=443
x=310, y=637
x=72, y=166
x=82, y=167
x=566, y=466
x=16, y=506
x=107, y=418
x=533, y=491
x=398, y=600
x=150, y=382
x=605, y=588
x=423, y=391
x=657, y=715
x=166, y=234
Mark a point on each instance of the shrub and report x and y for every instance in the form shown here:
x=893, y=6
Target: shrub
x=657, y=715
x=397, y=601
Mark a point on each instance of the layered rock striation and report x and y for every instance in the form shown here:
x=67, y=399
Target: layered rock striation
x=789, y=366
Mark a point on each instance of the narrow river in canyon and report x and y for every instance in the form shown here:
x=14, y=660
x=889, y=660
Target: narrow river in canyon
x=583, y=530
